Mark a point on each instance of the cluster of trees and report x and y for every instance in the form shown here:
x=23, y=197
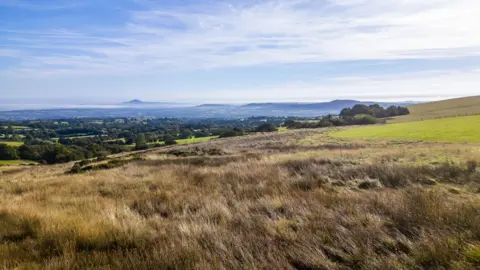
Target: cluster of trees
x=358, y=115
x=375, y=110
x=330, y=121
x=51, y=153
x=67, y=140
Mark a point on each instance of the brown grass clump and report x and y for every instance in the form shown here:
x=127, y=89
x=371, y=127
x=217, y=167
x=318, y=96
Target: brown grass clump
x=248, y=204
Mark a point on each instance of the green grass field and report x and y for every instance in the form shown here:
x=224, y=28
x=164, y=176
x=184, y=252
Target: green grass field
x=15, y=162
x=456, y=129
x=11, y=143
x=16, y=127
x=196, y=140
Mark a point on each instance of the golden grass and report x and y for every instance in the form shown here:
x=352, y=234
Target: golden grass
x=440, y=109
x=287, y=200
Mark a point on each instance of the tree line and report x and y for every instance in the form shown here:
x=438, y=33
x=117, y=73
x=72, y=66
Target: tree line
x=360, y=114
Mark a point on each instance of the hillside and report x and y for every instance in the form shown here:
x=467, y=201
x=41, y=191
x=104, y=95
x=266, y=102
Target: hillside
x=290, y=200
x=452, y=129
x=445, y=108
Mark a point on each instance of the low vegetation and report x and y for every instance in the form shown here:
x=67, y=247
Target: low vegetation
x=455, y=129
x=51, y=142
x=441, y=109
x=358, y=115
x=296, y=199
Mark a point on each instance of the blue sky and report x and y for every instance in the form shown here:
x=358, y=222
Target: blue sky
x=238, y=51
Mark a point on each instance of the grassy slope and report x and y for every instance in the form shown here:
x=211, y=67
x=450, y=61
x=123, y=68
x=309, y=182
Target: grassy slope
x=196, y=140
x=455, y=129
x=445, y=108
x=11, y=143
x=269, y=201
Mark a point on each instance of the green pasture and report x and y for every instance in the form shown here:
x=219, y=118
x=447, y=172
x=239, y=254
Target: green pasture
x=196, y=140
x=456, y=129
x=16, y=144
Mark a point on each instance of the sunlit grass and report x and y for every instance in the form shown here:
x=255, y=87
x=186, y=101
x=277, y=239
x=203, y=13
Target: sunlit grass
x=456, y=129
x=196, y=140
x=10, y=143
x=283, y=200
x=15, y=162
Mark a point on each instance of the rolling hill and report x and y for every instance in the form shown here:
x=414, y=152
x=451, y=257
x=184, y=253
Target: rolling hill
x=292, y=200
x=448, y=129
x=439, y=109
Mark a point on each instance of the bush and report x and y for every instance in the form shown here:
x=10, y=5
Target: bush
x=230, y=133
x=364, y=120
x=170, y=142
x=266, y=128
x=370, y=184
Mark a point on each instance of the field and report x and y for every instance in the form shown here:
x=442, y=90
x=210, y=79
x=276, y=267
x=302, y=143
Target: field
x=440, y=109
x=298, y=199
x=15, y=162
x=11, y=143
x=196, y=140
x=16, y=127
x=455, y=129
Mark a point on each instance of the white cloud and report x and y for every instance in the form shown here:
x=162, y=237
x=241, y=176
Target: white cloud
x=267, y=32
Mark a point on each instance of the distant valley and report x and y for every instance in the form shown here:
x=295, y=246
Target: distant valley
x=138, y=108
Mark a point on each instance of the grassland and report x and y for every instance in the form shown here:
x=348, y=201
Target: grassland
x=16, y=127
x=15, y=162
x=440, y=109
x=455, y=129
x=196, y=140
x=11, y=143
x=289, y=200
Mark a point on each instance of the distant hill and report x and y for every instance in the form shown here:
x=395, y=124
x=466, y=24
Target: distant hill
x=444, y=108
x=134, y=102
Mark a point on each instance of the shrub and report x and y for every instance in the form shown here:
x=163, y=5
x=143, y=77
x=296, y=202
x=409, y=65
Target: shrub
x=266, y=128
x=370, y=184
x=170, y=142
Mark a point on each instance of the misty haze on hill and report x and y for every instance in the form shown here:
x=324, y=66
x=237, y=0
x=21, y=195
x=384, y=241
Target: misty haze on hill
x=138, y=108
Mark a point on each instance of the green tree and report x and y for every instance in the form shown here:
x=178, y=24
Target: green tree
x=186, y=134
x=361, y=109
x=141, y=142
x=8, y=152
x=267, y=127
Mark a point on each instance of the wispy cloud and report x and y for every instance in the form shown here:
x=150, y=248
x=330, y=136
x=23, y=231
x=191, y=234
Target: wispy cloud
x=221, y=35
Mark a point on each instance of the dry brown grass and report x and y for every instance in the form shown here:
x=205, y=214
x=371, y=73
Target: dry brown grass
x=289, y=200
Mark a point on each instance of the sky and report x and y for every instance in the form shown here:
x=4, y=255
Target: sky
x=238, y=51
